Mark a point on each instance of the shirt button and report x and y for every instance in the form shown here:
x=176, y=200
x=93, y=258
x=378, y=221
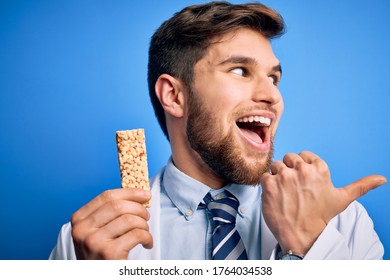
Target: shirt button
x=242, y=210
x=189, y=213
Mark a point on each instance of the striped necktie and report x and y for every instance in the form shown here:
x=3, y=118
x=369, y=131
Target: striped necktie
x=226, y=241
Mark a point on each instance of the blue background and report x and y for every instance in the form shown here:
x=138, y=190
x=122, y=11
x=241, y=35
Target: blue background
x=74, y=72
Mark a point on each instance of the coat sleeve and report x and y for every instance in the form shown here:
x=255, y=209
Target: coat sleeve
x=350, y=235
x=64, y=249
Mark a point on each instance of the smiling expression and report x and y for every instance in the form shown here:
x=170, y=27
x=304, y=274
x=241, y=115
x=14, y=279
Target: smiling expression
x=235, y=106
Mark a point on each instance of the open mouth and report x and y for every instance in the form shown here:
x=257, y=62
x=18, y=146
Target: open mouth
x=255, y=129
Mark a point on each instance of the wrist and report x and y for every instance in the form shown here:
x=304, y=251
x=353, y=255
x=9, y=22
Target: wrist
x=298, y=246
x=288, y=254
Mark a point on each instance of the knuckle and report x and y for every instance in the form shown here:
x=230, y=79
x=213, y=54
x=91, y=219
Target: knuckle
x=322, y=166
x=74, y=219
x=284, y=172
x=304, y=172
x=117, y=206
x=138, y=233
x=288, y=156
x=142, y=235
x=141, y=211
x=305, y=152
x=300, y=165
x=266, y=179
x=363, y=190
x=77, y=232
x=144, y=225
x=128, y=219
x=107, y=195
x=91, y=241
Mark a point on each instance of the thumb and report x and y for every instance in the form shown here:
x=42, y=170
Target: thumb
x=362, y=186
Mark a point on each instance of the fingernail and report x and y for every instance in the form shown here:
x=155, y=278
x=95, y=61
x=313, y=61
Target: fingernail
x=381, y=179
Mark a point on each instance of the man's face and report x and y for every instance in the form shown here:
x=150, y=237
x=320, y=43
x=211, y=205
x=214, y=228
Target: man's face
x=235, y=106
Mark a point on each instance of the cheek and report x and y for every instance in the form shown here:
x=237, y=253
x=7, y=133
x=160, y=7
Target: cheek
x=220, y=104
x=279, y=109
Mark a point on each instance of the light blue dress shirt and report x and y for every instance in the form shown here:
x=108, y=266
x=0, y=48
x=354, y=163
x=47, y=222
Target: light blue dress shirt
x=186, y=226
x=181, y=229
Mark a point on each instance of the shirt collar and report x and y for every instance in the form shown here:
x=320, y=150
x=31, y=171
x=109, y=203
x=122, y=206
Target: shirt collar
x=186, y=193
x=247, y=195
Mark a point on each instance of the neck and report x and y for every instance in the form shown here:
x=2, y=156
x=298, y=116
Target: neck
x=189, y=162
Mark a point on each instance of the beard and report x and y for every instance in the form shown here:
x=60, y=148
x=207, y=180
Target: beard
x=222, y=155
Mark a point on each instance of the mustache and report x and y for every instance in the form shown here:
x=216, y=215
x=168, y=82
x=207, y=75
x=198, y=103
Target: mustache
x=250, y=109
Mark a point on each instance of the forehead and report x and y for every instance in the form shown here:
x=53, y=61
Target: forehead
x=244, y=43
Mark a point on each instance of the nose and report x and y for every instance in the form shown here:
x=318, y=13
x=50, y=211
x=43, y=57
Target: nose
x=265, y=91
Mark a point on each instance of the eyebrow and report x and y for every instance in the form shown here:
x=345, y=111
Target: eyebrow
x=278, y=68
x=248, y=61
x=239, y=60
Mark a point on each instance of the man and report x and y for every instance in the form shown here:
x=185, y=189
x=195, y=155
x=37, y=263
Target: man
x=213, y=80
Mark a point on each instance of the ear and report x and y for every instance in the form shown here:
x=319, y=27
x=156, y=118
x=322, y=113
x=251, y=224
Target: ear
x=169, y=91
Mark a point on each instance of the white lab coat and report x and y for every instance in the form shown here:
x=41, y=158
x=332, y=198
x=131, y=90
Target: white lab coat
x=350, y=235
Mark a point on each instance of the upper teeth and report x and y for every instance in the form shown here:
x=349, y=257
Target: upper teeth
x=260, y=119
